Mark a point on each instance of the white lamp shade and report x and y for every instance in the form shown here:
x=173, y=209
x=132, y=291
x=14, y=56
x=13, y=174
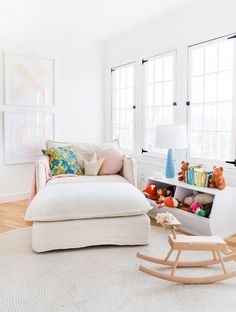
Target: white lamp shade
x=171, y=136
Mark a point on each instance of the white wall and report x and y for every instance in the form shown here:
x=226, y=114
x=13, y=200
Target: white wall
x=192, y=24
x=78, y=95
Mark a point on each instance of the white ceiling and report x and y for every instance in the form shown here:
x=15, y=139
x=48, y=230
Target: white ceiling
x=99, y=19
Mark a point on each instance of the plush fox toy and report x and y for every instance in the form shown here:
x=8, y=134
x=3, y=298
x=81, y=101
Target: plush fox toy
x=169, y=202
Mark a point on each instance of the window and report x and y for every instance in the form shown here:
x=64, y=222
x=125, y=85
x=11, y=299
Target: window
x=123, y=105
x=160, y=85
x=210, y=118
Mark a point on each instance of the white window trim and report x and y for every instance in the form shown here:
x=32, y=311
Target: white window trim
x=182, y=81
x=208, y=162
x=128, y=151
x=151, y=154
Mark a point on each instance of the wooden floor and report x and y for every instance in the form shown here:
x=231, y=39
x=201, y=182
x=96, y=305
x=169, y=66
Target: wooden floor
x=12, y=217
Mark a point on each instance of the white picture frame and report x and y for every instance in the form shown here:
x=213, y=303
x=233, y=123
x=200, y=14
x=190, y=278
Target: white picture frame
x=29, y=80
x=25, y=133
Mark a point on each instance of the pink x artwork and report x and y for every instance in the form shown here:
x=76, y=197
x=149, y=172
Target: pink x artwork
x=30, y=81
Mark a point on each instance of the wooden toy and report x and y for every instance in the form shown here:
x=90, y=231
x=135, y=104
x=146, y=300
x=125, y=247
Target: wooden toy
x=214, y=244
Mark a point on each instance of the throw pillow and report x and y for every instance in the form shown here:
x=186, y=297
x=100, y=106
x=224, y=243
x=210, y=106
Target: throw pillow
x=63, y=160
x=93, y=165
x=113, y=161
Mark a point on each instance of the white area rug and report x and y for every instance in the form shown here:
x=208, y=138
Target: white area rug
x=98, y=279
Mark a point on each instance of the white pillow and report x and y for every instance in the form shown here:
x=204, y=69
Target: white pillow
x=85, y=150
x=93, y=165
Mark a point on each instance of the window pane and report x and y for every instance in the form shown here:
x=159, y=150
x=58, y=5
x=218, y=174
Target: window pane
x=123, y=78
x=116, y=98
x=149, y=118
x=130, y=97
x=122, y=105
x=116, y=118
x=211, y=124
x=159, y=93
x=168, y=115
x=150, y=71
x=123, y=98
x=159, y=97
x=130, y=76
x=168, y=68
x=150, y=95
x=224, y=116
x=129, y=120
x=164, y=116
x=159, y=69
x=168, y=93
x=209, y=118
x=196, y=144
x=225, y=86
x=210, y=88
x=116, y=79
x=122, y=118
x=226, y=55
x=196, y=117
x=197, y=90
x=197, y=62
x=211, y=59
x=225, y=143
x=149, y=139
x=209, y=151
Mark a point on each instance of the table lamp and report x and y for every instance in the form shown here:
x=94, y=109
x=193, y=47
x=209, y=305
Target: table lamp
x=171, y=137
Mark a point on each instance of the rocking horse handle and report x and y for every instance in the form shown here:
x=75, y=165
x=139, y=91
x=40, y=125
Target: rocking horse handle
x=174, y=223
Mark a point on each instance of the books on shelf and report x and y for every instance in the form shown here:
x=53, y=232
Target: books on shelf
x=198, y=176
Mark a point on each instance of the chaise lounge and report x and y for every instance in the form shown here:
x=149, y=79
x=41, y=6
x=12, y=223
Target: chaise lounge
x=75, y=212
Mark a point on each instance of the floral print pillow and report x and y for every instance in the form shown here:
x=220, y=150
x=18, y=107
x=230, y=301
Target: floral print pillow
x=63, y=160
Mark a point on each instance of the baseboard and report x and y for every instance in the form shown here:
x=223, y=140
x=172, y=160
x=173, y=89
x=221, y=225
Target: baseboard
x=10, y=197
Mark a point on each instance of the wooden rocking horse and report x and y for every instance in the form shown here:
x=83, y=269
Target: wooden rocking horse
x=214, y=244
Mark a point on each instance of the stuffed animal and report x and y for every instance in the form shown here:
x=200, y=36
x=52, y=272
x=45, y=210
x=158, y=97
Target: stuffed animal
x=169, y=202
x=203, y=212
x=203, y=199
x=200, y=198
x=182, y=173
x=184, y=208
x=195, y=206
x=189, y=200
x=151, y=191
x=200, y=212
x=217, y=180
x=163, y=192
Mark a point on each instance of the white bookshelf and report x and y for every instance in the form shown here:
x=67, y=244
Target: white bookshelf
x=222, y=219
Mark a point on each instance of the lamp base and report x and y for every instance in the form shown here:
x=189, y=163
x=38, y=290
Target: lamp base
x=170, y=166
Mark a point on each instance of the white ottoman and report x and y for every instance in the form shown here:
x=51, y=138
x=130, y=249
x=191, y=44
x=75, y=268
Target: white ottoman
x=83, y=214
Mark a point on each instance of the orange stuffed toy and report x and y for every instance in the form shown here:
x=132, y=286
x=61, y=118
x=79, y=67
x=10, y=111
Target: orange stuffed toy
x=182, y=173
x=151, y=191
x=169, y=202
x=217, y=180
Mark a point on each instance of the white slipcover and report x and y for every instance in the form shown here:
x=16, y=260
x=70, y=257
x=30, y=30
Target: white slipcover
x=67, y=201
x=90, y=232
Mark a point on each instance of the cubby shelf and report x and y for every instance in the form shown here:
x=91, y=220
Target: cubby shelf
x=222, y=220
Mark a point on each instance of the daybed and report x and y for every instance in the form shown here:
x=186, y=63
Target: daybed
x=73, y=212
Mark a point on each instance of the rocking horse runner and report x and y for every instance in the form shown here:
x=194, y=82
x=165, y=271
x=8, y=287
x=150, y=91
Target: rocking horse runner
x=214, y=244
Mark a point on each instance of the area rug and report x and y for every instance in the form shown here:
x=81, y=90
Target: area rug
x=99, y=279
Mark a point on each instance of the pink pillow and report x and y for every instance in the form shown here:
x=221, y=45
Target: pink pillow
x=113, y=161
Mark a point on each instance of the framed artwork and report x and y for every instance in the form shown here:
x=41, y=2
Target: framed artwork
x=29, y=80
x=25, y=134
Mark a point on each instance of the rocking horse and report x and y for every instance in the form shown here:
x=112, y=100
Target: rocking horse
x=179, y=243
